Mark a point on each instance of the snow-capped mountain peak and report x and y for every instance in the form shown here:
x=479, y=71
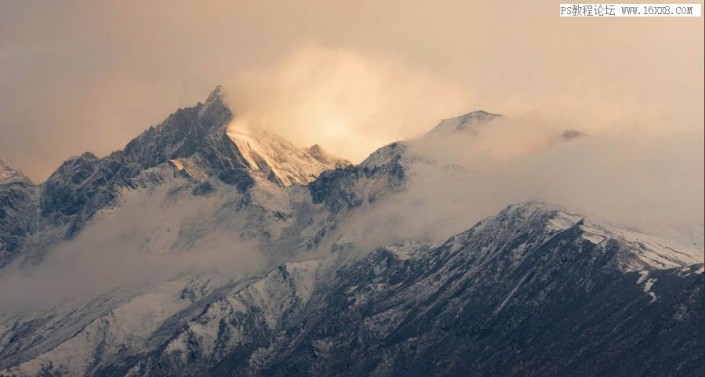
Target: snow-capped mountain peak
x=209, y=140
x=461, y=123
x=279, y=159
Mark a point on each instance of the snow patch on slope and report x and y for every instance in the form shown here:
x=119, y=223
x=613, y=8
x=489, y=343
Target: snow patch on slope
x=648, y=283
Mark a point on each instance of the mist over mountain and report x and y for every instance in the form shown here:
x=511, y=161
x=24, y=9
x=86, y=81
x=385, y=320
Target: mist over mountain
x=489, y=245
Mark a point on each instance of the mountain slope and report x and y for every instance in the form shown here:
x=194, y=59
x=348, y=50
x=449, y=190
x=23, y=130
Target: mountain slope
x=280, y=160
x=515, y=295
x=195, y=141
x=18, y=211
x=531, y=290
x=463, y=123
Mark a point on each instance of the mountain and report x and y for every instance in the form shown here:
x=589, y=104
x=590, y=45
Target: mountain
x=208, y=248
x=463, y=122
x=18, y=211
x=197, y=143
x=532, y=290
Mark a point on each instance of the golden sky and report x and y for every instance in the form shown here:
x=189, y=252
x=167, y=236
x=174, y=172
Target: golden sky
x=351, y=75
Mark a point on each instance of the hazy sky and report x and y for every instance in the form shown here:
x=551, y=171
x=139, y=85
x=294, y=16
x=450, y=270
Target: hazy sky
x=352, y=75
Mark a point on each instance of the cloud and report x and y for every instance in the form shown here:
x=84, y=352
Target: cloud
x=349, y=103
x=152, y=238
x=651, y=181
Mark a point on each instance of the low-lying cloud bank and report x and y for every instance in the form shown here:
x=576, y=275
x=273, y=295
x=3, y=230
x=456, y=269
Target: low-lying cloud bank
x=150, y=239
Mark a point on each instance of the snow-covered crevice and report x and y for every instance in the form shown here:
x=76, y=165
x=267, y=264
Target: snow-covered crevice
x=647, y=284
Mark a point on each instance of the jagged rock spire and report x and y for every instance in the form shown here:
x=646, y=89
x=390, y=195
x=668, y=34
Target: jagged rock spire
x=9, y=174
